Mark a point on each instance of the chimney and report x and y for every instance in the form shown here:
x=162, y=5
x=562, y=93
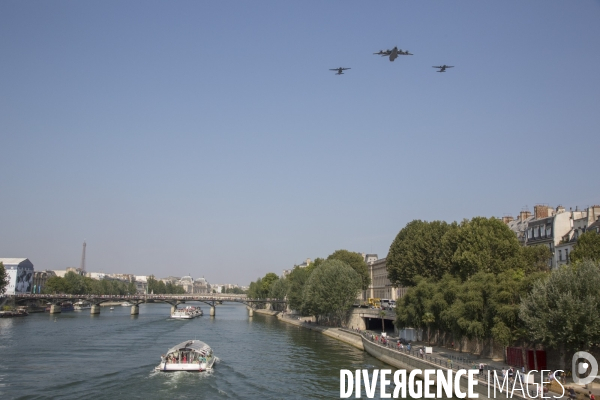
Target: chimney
x=507, y=218
x=593, y=214
x=523, y=215
x=540, y=211
x=560, y=209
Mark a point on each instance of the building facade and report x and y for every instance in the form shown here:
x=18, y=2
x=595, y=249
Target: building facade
x=557, y=229
x=20, y=275
x=39, y=280
x=381, y=287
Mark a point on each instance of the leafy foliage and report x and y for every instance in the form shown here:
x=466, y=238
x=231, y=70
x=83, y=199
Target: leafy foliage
x=587, y=247
x=356, y=262
x=3, y=279
x=563, y=311
x=417, y=250
x=485, y=245
x=261, y=288
x=331, y=290
x=476, y=275
x=73, y=283
x=295, y=287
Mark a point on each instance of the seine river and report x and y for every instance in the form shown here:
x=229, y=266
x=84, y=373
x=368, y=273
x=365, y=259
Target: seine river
x=74, y=355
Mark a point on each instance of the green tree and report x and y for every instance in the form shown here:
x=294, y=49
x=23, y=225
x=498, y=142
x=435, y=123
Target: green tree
x=563, y=311
x=131, y=288
x=485, y=245
x=428, y=319
x=587, y=247
x=411, y=308
x=3, y=279
x=295, y=288
x=356, y=261
x=331, y=290
x=261, y=288
x=418, y=250
x=267, y=282
x=55, y=284
x=74, y=283
x=278, y=289
x=535, y=258
x=255, y=289
x=382, y=315
x=152, y=285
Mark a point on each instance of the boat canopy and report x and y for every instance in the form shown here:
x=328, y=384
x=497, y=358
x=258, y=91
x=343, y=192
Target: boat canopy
x=195, y=345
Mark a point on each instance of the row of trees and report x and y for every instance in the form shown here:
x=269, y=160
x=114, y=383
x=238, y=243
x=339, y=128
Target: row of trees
x=327, y=288
x=466, y=279
x=433, y=249
x=73, y=283
x=475, y=280
x=159, y=287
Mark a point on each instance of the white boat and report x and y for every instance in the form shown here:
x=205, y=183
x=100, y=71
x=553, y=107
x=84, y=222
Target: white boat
x=112, y=308
x=82, y=305
x=193, y=356
x=126, y=304
x=187, y=313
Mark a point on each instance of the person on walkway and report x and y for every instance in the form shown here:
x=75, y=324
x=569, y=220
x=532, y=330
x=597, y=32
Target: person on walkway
x=421, y=352
x=480, y=368
x=591, y=395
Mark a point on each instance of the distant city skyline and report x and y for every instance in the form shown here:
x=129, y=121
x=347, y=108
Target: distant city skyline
x=211, y=138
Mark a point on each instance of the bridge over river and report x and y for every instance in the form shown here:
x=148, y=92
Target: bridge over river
x=95, y=301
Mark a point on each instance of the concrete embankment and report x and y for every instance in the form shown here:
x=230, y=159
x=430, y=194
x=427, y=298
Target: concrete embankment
x=348, y=337
x=407, y=362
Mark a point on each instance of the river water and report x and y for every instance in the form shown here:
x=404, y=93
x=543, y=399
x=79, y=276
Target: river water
x=74, y=355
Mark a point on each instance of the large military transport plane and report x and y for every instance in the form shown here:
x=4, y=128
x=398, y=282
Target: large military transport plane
x=339, y=70
x=394, y=53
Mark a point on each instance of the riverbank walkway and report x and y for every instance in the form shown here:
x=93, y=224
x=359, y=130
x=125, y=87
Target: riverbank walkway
x=445, y=357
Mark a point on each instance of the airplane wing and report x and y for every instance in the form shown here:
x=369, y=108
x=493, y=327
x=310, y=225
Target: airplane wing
x=437, y=67
x=334, y=69
x=346, y=68
x=449, y=66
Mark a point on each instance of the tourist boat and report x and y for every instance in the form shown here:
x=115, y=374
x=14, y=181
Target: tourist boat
x=126, y=304
x=193, y=356
x=82, y=305
x=111, y=309
x=20, y=312
x=187, y=313
x=67, y=306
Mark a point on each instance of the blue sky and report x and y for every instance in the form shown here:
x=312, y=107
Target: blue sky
x=210, y=138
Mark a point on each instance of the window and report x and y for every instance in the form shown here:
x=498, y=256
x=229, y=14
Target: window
x=560, y=255
x=567, y=255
